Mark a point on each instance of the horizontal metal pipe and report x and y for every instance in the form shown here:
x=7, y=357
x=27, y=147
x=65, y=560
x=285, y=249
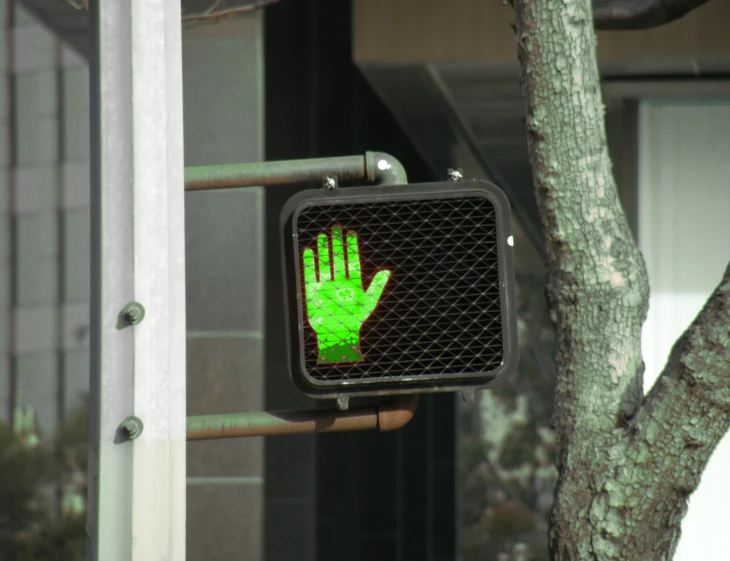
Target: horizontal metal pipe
x=387, y=416
x=375, y=167
x=273, y=173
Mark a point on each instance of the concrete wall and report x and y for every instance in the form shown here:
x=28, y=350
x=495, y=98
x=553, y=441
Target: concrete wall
x=223, y=105
x=44, y=255
x=44, y=220
x=319, y=105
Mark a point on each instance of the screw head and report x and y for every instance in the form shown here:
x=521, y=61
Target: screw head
x=455, y=174
x=133, y=313
x=132, y=427
x=329, y=183
x=343, y=402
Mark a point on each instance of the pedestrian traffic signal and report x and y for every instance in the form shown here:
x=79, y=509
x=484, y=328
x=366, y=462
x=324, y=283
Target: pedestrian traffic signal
x=395, y=289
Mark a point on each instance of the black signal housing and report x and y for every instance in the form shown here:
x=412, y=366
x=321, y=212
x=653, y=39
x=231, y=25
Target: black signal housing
x=446, y=318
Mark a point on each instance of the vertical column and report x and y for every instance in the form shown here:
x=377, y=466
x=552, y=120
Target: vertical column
x=6, y=214
x=136, y=508
x=34, y=101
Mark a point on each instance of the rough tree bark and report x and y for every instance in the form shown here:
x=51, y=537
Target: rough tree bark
x=627, y=462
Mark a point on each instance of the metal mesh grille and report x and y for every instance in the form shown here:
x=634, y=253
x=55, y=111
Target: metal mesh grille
x=439, y=315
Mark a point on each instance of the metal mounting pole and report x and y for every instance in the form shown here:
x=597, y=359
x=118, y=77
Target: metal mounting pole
x=374, y=167
x=136, y=506
x=387, y=416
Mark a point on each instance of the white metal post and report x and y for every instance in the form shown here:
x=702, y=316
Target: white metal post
x=136, y=508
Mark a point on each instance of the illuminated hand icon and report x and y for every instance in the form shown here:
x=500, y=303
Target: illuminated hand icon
x=337, y=303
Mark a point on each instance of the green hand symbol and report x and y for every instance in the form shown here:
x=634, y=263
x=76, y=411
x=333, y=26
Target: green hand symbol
x=337, y=303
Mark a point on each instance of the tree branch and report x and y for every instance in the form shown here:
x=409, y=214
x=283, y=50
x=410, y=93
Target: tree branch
x=687, y=411
x=655, y=463
x=626, y=464
x=619, y=15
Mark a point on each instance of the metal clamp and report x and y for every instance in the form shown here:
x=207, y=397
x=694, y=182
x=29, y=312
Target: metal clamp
x=329, y=183
x=455, y=174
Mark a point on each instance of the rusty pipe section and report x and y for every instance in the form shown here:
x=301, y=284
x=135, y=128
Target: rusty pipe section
x=376, y=167
x=387, y=416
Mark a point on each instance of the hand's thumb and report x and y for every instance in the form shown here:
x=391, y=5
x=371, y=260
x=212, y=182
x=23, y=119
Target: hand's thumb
x=376, y=287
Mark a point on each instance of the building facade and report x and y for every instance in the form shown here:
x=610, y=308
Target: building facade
x=317, y=78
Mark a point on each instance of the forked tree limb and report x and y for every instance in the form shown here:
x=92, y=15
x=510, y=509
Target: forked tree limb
x=626, y=463
x=687, y=411
x=619, y=15
x=651, y=466
x=699, y=364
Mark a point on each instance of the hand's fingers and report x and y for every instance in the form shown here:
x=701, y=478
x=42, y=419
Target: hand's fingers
x=376, y=288
x=338, y=254
x=310, y=272
x=353, y=256
x=323, y=249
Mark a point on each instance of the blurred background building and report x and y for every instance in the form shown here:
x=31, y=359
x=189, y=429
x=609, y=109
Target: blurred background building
x=435, y=84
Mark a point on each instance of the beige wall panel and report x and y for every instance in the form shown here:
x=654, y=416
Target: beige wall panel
x=702, y=33
x=432, y=30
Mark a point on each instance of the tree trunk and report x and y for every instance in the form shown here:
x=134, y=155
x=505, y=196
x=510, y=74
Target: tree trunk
x=626, y=463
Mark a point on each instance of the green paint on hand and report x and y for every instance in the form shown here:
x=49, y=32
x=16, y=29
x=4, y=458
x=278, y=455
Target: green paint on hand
x=337, y=303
